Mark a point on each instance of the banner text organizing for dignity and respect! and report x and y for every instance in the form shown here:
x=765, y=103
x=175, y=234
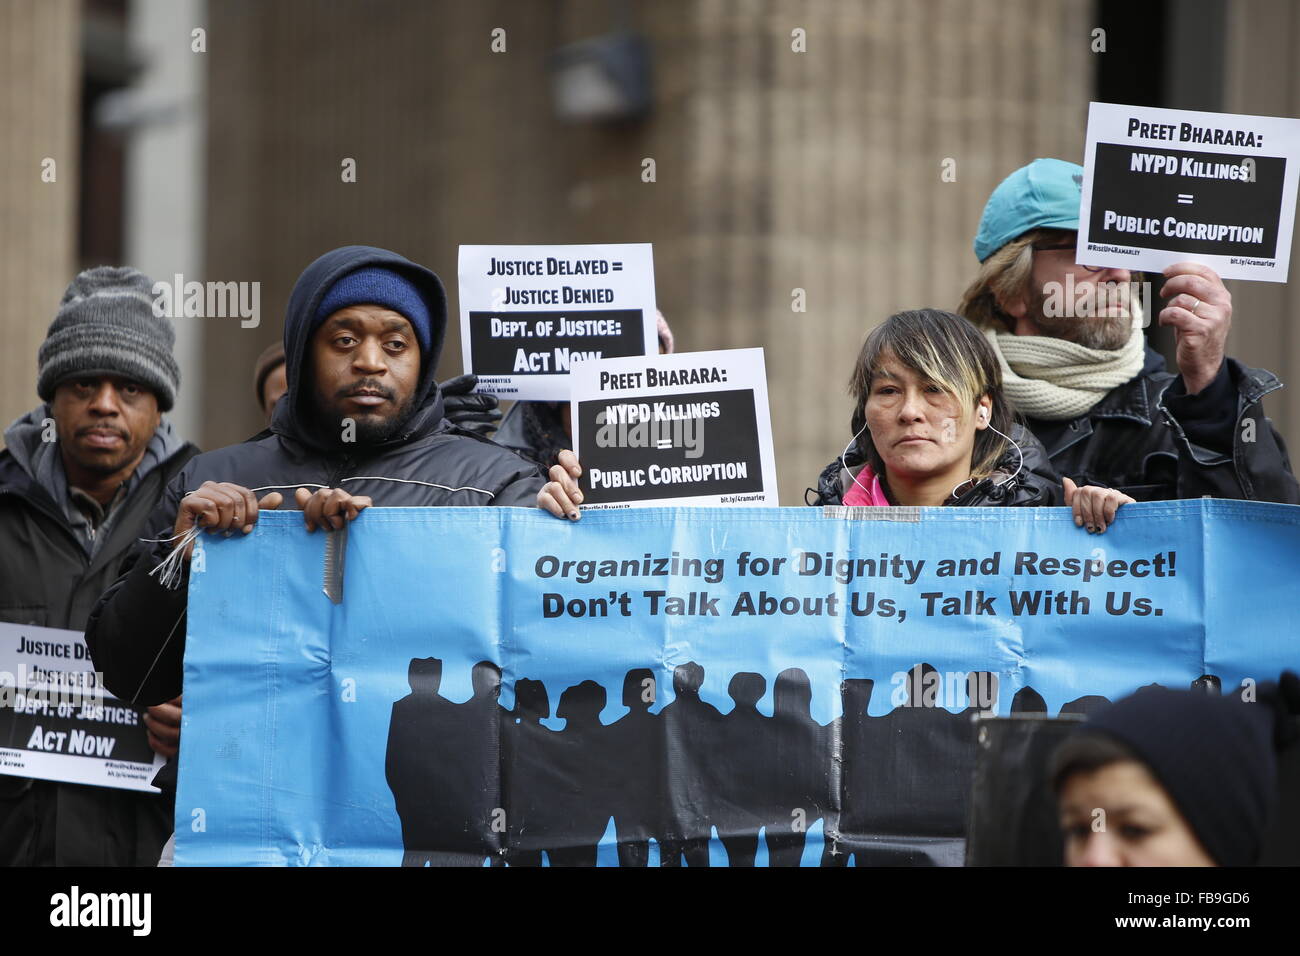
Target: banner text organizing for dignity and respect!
x=709, y=686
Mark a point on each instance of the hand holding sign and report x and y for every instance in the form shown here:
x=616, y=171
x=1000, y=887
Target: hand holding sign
x=473, y=411
x=682, y=429
x=329, y=508
x=220, y=506
x=1094, y=507
x=163, y=723
x=1200, y=310
x=561, y=495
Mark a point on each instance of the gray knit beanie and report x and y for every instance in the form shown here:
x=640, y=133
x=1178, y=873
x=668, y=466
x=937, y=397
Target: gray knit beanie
x=106, y=326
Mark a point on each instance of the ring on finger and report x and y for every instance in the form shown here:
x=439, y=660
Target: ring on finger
x=1196, y=304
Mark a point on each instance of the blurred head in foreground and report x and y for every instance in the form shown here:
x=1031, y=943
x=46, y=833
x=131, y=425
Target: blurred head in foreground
x=1167, y=778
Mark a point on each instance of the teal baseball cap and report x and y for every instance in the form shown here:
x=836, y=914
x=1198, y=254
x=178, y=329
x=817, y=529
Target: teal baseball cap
x=1043, y=195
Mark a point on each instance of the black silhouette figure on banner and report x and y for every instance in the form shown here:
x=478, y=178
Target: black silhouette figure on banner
x=801, y=760
x=1208, y=683
x=581, y=755
x=981, y=693
x=460, y=748
x=412, y=777
x=743, y=776
x=859, y=754
x=691, y=728
x=638, y=788
x=921, y=763
x=1085, y=705
x=472, y=782
x=1028, y=701
x=484, y=718
x=532, y=786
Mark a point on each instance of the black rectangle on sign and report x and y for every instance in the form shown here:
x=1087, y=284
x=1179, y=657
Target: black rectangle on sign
x=106, y=731
x=1150, y=215
x=682, y=446
x=518, y=343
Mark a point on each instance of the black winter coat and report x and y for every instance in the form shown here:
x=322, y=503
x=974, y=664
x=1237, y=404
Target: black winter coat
x=136, y=633
x=1152, y=441
x=1035, y=483
x=48, y=579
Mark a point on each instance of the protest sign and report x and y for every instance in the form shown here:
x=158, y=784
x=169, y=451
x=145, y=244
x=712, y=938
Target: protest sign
x=690, y=428
x=770, y=686
x=1163, y=186
x=527, y=313
x=56, y=720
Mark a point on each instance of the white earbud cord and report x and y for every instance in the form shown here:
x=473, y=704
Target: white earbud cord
x=1019, y=467
x=846, y=464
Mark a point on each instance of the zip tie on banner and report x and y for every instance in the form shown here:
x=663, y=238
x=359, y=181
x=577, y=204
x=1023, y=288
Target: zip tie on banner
x=172, y=568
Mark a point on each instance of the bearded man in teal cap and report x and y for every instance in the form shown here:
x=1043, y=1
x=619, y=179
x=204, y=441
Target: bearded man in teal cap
x=1075, y=362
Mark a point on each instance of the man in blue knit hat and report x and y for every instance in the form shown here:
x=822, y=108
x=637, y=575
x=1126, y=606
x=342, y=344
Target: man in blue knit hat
x=376, y=301
x=362, y=424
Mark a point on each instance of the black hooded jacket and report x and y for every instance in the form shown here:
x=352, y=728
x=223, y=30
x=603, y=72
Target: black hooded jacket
x=1016, y=482
x=1153, y=441
x=136, y=632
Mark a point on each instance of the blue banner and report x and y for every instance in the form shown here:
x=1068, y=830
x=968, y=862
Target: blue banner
x=681, y=686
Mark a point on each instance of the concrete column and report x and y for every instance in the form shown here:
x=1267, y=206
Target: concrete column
x=40, y=74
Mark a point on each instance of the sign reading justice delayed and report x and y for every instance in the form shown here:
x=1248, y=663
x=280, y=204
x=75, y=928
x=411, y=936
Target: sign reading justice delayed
x=528, y=313
x=691, y=428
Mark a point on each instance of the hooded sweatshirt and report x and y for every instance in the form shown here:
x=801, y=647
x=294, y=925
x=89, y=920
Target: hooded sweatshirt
x=426, y=462
x=294, y=418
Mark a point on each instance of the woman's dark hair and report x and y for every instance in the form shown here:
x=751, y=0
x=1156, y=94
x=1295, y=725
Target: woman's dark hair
x=948, y=351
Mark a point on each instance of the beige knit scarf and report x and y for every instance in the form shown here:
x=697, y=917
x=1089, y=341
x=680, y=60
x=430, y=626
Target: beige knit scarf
x=1056, y=380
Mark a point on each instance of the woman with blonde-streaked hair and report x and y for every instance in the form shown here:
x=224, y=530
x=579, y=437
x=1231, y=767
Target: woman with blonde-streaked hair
x=932, y=427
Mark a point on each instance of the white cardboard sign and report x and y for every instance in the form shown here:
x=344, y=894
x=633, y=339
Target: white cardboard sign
x=528, y=313
x=1163, y=186
x=56, y=720
x=692, y=428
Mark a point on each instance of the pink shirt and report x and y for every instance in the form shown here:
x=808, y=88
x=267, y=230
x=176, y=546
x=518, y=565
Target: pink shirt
x=872, y=494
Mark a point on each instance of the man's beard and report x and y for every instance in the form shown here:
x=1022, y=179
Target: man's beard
x=366, y=429
x=372, y=431
x=1097, y=331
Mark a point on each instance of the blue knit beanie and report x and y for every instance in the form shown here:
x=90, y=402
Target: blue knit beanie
x=375, y=285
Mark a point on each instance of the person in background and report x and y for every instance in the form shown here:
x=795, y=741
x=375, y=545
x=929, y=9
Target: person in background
x=1069, y=338
x=1169, y=778
x=79, y=475
x=269, y=379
